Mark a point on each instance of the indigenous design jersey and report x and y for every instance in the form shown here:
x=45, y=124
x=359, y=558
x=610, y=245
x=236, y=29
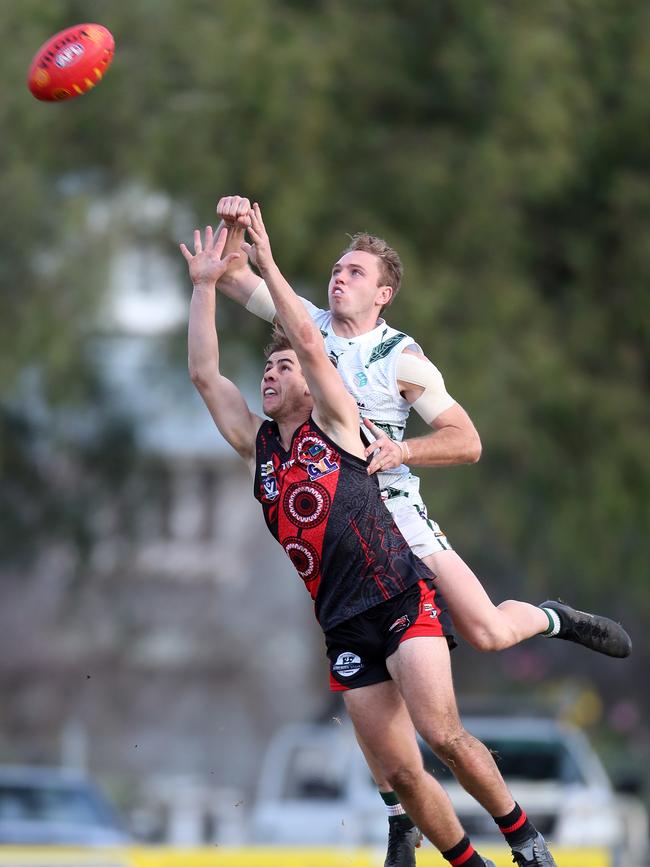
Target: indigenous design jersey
x=328, y=515
x=367, y=366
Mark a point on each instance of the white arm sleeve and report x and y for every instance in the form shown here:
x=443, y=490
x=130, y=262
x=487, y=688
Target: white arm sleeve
x=261, y=303
x=419, y=371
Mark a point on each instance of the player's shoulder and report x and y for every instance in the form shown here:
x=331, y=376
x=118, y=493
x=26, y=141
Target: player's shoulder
x=412, y=348
x=386, y=340
x=317, y=313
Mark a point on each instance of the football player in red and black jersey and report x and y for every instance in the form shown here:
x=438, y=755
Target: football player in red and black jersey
x=386, y=628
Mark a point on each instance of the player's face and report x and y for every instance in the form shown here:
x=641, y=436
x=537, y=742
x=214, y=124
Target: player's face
x=354, y=287
x=283, y=385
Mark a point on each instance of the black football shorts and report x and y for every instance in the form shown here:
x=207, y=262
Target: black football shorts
x=359, y=647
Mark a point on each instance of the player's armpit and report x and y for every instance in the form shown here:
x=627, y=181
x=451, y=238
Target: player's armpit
x=415, y=370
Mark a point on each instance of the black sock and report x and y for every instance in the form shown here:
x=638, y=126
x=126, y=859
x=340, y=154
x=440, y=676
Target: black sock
x=463, y=854
x=515, y=827
x=396, y=812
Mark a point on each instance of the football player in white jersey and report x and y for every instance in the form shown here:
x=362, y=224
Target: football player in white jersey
x=388, y=375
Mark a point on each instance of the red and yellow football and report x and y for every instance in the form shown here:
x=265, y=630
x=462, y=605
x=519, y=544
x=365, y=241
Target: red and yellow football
x=71, y=62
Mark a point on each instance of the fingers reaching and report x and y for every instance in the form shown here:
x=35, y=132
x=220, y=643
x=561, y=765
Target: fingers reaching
x=256, y=228
x=249, y=250
x=219, y=241
x=207, y=264
x=384, y=453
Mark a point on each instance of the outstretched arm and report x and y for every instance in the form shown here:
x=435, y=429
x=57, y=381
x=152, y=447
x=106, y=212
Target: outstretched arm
x=239, y=282
x=237, y=424
x=335, y=410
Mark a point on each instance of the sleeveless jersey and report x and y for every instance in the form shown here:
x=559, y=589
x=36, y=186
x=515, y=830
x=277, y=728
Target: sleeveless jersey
x=328, y=515
x=367, y=365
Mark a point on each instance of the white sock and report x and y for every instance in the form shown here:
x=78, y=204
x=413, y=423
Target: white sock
x=554, y=623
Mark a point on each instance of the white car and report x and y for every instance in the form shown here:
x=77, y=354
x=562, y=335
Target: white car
x=315, y=789
x=51, y=806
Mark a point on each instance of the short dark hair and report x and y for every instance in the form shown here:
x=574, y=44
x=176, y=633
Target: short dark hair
x=391, y=269
x=279, y=342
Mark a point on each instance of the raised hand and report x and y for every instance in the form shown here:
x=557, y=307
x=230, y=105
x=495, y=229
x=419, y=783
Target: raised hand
x=206, y=264
x=234, y=211
x=259, y=252
x=387, y=454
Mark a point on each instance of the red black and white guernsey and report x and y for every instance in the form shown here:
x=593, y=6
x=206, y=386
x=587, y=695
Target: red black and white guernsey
x=328, y=515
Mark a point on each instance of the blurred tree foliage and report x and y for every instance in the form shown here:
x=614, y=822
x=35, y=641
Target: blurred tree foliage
x=501, y=147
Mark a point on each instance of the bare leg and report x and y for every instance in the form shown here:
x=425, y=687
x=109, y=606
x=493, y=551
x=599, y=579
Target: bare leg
x=421, y=669
x=383, y=725
x=481, y=623
x=373, y=764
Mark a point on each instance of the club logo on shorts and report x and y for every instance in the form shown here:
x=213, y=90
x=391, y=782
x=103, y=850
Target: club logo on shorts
x=400, y=624
x=431, y=611
x=347, y=664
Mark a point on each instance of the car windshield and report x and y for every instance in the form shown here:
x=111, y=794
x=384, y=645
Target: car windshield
x=24, y=803
x=312, y=775
x=525, y=759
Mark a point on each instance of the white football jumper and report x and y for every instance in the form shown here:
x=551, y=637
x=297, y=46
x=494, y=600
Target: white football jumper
x=367, y=366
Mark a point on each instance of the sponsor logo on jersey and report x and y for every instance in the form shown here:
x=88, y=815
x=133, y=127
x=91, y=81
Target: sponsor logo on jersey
x=316, y=450
x=333, y=356
x=316, y=456
x=400, y=624
x=360, y=379
x=270, y=489
x=323, y=468
x=347, y=664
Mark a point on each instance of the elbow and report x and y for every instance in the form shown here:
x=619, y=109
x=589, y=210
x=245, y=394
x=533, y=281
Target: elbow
x=198, y=376
x=310, y=341
x=310, y=337
x=475, y=450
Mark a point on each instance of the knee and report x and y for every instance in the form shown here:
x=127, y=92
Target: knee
x=487, y=640
x=404, y=777
x=449, y=743
x=492, y=634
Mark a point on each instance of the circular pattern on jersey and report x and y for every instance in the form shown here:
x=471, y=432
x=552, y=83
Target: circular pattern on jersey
x=303, y=556
x=306, y=504
x=311, y=449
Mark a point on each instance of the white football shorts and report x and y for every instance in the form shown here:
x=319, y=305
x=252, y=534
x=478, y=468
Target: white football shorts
x=409, y=512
